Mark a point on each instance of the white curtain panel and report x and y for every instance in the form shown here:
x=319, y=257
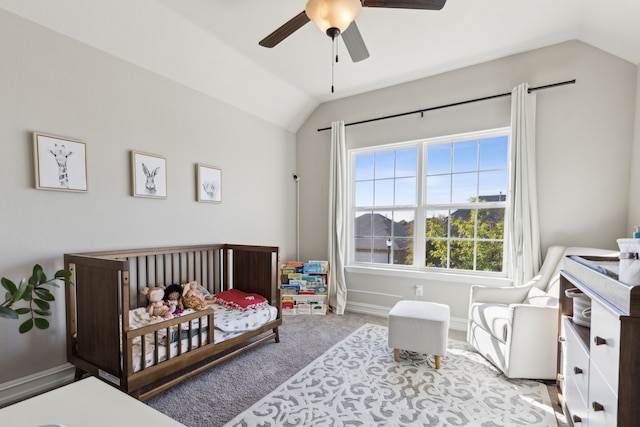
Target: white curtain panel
x=337, y=218
x=523, y=232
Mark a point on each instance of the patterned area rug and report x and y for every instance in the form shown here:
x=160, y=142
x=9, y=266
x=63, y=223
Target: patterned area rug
x=357, y=383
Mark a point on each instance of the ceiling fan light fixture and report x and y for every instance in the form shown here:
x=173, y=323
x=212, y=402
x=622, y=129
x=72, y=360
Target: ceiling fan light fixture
x=331, y=14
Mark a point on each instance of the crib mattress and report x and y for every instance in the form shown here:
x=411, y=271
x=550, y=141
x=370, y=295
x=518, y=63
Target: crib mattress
x=228, y=323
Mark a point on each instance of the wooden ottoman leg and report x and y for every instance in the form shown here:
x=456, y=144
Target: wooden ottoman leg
x=396, y=354
x=438, y=360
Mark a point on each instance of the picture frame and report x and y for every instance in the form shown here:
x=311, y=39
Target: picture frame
x=148, y=175
x=60, y=163
x=208, y=183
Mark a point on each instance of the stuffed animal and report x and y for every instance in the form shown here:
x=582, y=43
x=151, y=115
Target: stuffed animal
x=192, y=297
x=157, y=306
x=173, y=297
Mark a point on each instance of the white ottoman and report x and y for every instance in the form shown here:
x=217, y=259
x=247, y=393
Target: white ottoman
x=419, y=326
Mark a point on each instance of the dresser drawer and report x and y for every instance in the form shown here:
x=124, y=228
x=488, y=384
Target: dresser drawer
x=576, y=364
x=605, y=342
x=603, y=401
x=576, y=406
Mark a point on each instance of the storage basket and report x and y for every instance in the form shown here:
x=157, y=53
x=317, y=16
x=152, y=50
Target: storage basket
x=629, y=261
x=581, y=307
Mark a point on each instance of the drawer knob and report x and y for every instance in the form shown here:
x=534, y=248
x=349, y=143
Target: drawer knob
x=599, y=340
x=577, y=370
x=597, y=406
x=577, y=419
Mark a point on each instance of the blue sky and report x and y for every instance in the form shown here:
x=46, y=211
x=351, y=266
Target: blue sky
x=456, y=172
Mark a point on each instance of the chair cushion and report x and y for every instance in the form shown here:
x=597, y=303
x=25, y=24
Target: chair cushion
x=494, y=318
x=540, y=298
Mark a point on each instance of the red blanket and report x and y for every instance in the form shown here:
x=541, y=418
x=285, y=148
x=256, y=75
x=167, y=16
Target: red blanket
x=237, y=299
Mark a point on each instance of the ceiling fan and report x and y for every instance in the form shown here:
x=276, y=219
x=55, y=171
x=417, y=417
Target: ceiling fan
x=337, y=17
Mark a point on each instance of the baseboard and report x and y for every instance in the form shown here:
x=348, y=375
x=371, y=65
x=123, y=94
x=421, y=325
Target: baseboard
x=25, y=387
x=375, y=310
x=455, y=323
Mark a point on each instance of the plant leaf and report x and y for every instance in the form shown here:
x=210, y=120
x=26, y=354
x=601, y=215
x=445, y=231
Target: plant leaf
x=8, y=313
x=38, y=275
x=37, y=268
x=22, y=310
x=23, y=290
x=41, y=323
x=62, y=274
x=43, y=305
x=9, y=285
x=42, y=313
x=26, y=326
x=44, y=294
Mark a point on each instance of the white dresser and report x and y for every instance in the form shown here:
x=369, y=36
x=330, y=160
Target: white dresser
x=599, y=366
x=88, y=402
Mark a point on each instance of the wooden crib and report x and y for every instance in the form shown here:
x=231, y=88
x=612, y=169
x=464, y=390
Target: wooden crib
x=102, y=341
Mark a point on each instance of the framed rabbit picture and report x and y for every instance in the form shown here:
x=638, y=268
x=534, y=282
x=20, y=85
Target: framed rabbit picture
x=208, y=184
x=148, y=175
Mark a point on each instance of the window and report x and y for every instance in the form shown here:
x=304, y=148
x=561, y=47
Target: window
x=457, y=186
x=385, y=201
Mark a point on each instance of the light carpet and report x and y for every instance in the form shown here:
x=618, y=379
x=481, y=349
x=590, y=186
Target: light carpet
x=357, y=383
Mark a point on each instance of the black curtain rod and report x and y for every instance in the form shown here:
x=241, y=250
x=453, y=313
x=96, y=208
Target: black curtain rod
x=455, y=104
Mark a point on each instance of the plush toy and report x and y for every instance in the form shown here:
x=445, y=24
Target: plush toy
x=192, y=297
x=157, y=306
x=173, y=297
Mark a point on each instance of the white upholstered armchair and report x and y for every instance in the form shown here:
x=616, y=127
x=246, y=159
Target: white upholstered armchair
x=516, y=328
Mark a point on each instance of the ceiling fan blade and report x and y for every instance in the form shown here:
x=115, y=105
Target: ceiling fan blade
x=355, y=44
x=285, y=31
x=406, y=4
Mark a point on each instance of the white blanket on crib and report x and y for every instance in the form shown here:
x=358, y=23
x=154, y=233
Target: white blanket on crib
x=228, y=323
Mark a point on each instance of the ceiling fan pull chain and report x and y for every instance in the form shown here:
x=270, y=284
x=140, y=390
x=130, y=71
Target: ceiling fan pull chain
x=333, y=53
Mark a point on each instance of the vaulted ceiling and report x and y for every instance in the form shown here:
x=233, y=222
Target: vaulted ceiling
x=212, y=45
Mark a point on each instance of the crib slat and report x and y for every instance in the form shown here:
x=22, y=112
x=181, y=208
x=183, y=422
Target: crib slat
x=200, y=326
x=179, y=326
x=156, y=349
x=203, y=280
x=168, y=335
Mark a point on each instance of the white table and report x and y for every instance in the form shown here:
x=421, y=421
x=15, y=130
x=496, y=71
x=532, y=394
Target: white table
x=88, y=402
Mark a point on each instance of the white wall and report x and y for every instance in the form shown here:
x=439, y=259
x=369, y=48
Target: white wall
x=584, y=143
x=634, y=187
x=52, y=84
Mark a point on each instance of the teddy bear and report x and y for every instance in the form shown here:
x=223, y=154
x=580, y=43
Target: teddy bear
x=157, y=306
x=192, y=297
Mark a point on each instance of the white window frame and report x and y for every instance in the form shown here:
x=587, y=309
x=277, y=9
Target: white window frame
x=420, y=209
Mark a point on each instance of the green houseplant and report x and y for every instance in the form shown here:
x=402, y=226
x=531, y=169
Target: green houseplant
x=37, y=296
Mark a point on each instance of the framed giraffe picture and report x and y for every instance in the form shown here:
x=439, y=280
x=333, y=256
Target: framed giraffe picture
x=60, y=163
x=148, y=175
x=208, y=184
